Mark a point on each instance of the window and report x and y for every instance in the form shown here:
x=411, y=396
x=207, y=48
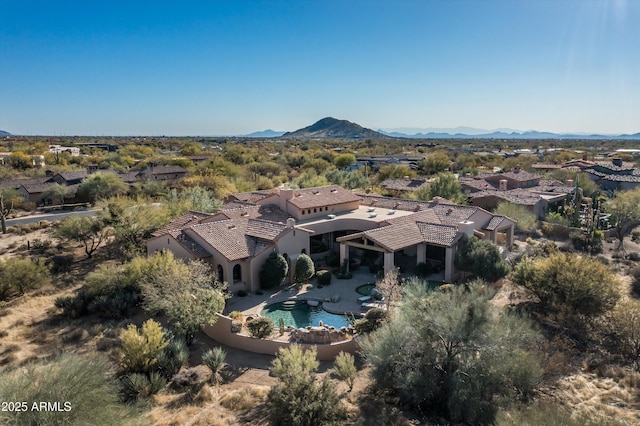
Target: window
x=220, y=273
x=302, y=211
x=237, y=273
x=315, y=210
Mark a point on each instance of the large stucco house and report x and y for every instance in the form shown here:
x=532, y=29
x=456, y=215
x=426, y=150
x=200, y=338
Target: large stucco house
x=319, y=221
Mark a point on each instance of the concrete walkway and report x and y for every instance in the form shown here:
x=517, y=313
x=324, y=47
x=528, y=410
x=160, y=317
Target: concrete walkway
x=252, y=304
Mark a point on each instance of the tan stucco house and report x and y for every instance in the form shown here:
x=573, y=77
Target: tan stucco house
x=321, y=221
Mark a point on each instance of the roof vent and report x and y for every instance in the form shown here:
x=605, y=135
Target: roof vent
x=331, y=216
x=244, y=214
x=371, y=209
x=334, y=190
x=373, y=214
x=232, y=226
x=449, y=211
x=316, y=192
x=392, y=212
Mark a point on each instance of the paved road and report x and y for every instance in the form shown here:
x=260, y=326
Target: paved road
x=51, y=216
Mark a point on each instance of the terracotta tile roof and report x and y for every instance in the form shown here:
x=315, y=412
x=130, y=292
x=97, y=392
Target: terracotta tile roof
x=129, y=177
x=322, y=196
x=453, y=214
x=392, y=203
x=402, y=184
x=37, y=188
x=428, y=216
x=189, y=244
x=17, y=183
x=520, y=176
x=622, y=178
x=265, y=229
x=229, y=238
x=515, y=196
x=475, y=184
x=494, y=223
x=253, y=196
x=439, y=235
x=73, y=176
x=394, y=237
x=163, y=170
x=251, y=211
x=183, y=221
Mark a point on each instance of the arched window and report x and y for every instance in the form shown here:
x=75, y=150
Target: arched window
x=220, y=273
x=237, y=273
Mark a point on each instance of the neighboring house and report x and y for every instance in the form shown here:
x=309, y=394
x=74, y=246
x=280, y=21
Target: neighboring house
x=615, y=175
x=527, y=189
x=324, y=220
x=162, y=173
x=58, y=149
x=402, y=186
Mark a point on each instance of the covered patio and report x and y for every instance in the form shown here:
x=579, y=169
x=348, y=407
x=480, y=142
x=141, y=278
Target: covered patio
x=434, y=244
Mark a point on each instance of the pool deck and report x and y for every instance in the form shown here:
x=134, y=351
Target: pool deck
x=251, y=305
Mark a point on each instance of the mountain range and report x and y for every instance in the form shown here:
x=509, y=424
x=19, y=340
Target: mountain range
x=332, y=128
x=3, y=133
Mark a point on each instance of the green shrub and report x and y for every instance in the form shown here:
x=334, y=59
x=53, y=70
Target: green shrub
x=215, y=359
x=344, y=368
x=236, y=315
x=304, y=269
x=481, y=258
x=84, y=382
x=140, y=349
x=20, y=275
x=260, y=327
x=372, y=320
x=134, y=387
x=298, y=398
x=60, y=263
x=323, y=277
x=273, y=271
x=172, y=358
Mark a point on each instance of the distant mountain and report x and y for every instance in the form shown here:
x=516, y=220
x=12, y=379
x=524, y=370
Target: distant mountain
x=3, y=133
x=471, y=133
x=264, y=134
x=332, y=128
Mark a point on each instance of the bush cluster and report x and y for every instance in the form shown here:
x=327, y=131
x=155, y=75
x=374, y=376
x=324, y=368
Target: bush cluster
x=260, y=327
x=20, y=275
x=372, y=320
x=324, y=277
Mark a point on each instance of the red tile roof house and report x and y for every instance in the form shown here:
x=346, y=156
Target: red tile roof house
x=517, y=187
x=317, y=221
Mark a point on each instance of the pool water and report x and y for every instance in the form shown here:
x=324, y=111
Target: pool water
x=300, y=315
x=365, y=289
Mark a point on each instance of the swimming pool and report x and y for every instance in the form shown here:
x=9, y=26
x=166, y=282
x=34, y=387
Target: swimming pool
x=298, y=314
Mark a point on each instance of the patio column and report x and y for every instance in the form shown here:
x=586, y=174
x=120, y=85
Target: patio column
x=421, y=255
x=344, y=254
x=510, y=237
x=388, y=262
x=494, y=236
x=448, y=265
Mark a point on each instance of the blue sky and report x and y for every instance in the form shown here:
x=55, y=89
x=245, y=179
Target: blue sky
x=232, y=67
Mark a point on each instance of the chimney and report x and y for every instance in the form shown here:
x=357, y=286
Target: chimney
x=617, y=162
x=503, y=185
x=466, y=227
x=286, y=194
x=569, y=182
x=516, y=169
x=291, y=223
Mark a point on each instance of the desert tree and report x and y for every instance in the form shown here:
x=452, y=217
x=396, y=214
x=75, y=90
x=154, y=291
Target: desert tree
x=625, y=213
x=481, y=258
x=297, y=398
x=389, y=287
x=101, y=185
x=446, y=185
x=569, y=283
x=57, y=192
x=451, y=355
x=90, y=231
x=186, y=293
